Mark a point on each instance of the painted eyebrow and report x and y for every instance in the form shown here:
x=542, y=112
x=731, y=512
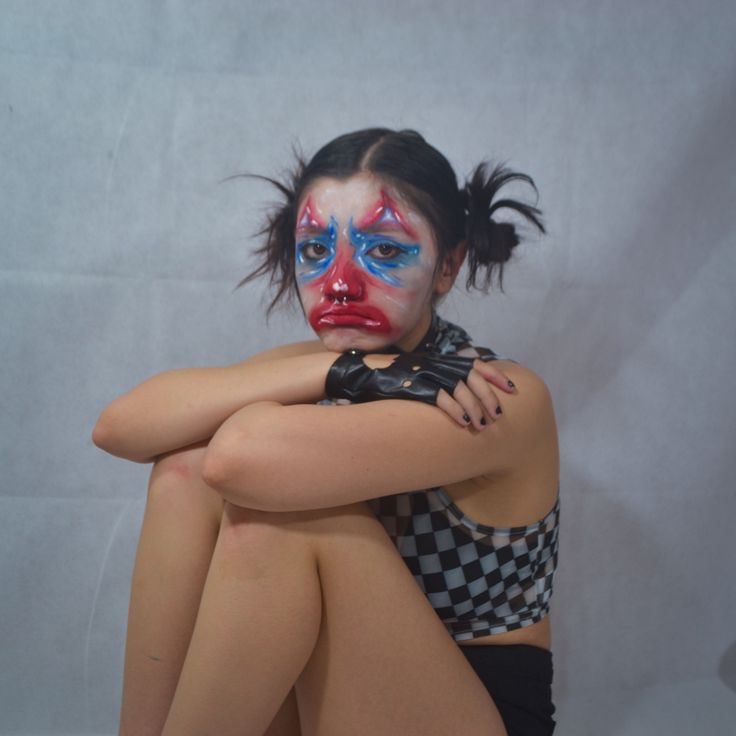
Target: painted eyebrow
x=385, y=214
x=308, y=219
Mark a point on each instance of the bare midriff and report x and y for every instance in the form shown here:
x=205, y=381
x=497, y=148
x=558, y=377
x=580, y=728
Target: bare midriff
x=537, y=635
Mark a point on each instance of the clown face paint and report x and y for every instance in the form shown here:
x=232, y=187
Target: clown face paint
x=364, y=265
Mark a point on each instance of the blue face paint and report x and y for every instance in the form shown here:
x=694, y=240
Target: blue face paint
x=368, y=255
x=315, y=255
x=311, y=261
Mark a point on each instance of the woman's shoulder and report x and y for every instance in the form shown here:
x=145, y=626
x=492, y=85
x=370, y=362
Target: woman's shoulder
x=525, y=489
x=531, y=390
x=529, y=410
x=523, y=372
x=515, y=369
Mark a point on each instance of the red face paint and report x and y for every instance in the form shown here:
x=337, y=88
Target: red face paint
x=309, y=219
x=341, y=295
x=342, y=271
x=361, y=316
x=386, y=212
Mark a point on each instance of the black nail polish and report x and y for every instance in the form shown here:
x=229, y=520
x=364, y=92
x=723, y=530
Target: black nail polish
x=466, y=417
x=483, y=420
x=499, y=410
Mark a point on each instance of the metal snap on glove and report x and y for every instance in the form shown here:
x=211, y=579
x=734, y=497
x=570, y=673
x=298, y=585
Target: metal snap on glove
x=417, y=376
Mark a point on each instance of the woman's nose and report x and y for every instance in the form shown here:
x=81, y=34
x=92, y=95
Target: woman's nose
x=345, y=279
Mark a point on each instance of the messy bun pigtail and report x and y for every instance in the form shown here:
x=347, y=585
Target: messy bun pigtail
x=277, y=252
x=490, y=243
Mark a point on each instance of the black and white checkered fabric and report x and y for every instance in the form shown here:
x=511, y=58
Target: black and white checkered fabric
x=479, y=579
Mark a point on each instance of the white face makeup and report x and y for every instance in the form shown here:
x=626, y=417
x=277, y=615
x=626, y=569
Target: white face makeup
x=365, y=263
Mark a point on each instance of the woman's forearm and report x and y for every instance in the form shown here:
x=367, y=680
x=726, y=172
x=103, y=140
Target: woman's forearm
x=179, y=407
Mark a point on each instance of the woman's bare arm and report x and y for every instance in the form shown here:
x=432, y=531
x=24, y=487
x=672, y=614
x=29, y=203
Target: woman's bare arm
x=292, y=458
x=180, y=407
x=177, y=408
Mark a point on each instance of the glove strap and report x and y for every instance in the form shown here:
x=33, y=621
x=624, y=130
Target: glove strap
x=345, y=371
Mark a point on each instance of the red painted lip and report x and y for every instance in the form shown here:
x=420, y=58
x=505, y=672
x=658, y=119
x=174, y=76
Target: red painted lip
x=363, y=317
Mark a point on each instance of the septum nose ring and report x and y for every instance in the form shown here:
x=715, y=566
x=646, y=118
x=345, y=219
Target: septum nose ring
x=340, y=291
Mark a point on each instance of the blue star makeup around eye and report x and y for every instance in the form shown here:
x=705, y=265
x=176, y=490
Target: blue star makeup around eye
x=382, y=256
x=364, y=262
x=315, y=253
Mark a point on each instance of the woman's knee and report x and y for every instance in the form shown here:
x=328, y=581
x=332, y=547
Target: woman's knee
x=305, y=520
x=176, y=484
x=264, y=535
x=256, y=533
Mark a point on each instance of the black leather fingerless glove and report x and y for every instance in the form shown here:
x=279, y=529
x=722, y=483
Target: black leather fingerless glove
x=417, y=376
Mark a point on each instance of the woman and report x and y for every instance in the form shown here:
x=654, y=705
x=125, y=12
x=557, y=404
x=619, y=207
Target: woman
x=290, y=578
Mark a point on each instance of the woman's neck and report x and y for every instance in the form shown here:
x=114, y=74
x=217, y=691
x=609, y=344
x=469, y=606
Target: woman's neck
x=412, y=340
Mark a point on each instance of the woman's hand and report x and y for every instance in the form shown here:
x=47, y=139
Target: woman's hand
x=460, y=386
x=473, y=399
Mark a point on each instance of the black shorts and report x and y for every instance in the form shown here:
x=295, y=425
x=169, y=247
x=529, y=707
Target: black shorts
x=519, y=679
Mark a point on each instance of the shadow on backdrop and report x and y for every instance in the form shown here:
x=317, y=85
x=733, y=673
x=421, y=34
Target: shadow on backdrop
x=727, y=668
x=689, y=212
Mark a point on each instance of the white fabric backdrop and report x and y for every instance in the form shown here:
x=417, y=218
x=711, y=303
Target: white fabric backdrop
x=120, y=250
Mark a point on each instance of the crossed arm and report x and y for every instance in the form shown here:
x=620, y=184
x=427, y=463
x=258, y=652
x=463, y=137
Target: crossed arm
x=271, y=448
x=177, y=408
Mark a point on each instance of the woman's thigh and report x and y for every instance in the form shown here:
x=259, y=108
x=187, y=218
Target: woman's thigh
x=177, y=488
x=286, y=721
x=181, y=523
x=383, y=662
x=180, y=527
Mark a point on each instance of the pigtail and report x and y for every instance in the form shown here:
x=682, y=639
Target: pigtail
x=490, y=243
x=277, y=252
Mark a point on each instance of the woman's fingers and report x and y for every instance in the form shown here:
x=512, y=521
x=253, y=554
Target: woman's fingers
x=473, y=401
x=452, y=408
x=485, y=394
x=496, y=376
x=477, y=400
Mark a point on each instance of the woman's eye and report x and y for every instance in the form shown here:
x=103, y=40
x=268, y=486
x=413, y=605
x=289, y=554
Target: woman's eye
x=314, y=251
x=385, y=251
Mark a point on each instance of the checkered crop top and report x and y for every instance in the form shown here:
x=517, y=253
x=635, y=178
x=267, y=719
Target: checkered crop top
x=479, y=579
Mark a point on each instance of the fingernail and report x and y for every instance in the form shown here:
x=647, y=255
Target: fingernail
x=466, y=418
x=483, y=421
x=499, y=410
x=511, y=383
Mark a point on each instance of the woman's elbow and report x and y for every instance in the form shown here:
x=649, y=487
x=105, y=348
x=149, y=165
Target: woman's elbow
x=229, y=467
x=107, y=434
x=215, y=470
x=99, y=434
x=222, y=463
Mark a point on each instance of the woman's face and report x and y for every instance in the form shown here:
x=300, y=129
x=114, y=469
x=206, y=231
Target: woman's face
x=365, y=264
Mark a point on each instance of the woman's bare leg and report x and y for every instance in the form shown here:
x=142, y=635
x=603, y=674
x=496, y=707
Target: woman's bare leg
x=321, y=599
x=256, y=628
x=180, y=527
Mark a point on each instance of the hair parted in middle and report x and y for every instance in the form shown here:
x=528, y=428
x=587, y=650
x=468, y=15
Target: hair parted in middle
x=418, y=171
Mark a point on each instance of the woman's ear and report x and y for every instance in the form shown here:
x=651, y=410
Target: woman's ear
x=450, y=268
